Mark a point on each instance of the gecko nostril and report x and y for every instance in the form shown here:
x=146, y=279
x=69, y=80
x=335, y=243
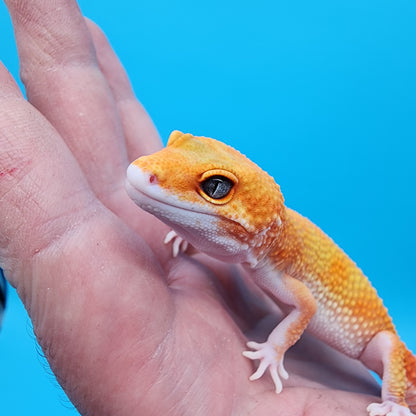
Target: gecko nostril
x=153, y=179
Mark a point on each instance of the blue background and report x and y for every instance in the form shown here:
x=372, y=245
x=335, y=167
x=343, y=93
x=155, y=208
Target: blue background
x=321, y=94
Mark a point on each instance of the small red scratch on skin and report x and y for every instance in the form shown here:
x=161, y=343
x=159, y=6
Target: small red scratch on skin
x=8, y=171
x=12, y=171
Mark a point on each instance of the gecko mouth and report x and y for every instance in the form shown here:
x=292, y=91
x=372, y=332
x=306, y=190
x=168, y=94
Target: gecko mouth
x=146, y=193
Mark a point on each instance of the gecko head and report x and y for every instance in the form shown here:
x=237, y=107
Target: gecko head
x=210, y=194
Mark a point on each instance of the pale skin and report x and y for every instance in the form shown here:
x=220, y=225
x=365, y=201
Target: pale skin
x=126, y=328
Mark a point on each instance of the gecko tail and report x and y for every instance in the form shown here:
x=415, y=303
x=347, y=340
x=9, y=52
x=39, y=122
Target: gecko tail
x=410, y=365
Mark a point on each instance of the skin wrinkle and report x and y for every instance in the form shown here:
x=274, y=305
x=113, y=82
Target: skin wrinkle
x=113, y=359
x=187, y=286
x=22, y=187
x=243, y=312
x=111, y=174
x=192, y=387
x=153, y=368
x=15, y=159
x=187, y=386
x=48, y=226
x=62, y=77
x=183, y=381
x=56, y=232
x=48, y=40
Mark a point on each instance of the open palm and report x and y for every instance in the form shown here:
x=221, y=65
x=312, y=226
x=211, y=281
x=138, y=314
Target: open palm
x=126, y=329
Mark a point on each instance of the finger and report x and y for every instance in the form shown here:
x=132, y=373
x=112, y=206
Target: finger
x=87, y=281
x=31, y=153
x=139, y=131
x=140, y=135
x=63, y=81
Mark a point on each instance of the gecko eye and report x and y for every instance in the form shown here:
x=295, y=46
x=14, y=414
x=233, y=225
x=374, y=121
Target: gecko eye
x=217, y=186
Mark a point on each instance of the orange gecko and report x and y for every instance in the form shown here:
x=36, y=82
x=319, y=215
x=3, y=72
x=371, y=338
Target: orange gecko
x=224, y=205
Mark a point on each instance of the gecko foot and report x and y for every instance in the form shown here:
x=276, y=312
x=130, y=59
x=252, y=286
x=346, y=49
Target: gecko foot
x=388, y=408
x=179, y=245
x=269, y=359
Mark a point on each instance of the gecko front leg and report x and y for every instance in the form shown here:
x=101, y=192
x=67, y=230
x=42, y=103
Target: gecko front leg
x=179, y=245
x=271, y=353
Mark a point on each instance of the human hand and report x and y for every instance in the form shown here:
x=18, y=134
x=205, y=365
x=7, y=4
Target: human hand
x=125, y=328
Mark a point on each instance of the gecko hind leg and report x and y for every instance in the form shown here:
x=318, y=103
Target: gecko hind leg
x=385, y=355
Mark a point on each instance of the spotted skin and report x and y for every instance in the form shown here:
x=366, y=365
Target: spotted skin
x=345, y=296
x=186, y=186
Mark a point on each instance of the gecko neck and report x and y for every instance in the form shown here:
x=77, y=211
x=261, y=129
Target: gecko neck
x=264, y=243
x=282, y=245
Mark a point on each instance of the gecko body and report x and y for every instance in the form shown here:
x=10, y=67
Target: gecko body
x=226, y=206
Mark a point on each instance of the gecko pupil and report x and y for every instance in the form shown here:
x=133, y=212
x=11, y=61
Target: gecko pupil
x=217, y=187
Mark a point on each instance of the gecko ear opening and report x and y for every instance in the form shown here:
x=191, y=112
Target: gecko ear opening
x=217, y=186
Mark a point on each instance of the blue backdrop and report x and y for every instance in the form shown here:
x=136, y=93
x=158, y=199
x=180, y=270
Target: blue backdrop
x=321, y=94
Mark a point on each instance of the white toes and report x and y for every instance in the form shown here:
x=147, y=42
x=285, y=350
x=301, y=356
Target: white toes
x=269, y=359
x=179, y=245
x=388, y=408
